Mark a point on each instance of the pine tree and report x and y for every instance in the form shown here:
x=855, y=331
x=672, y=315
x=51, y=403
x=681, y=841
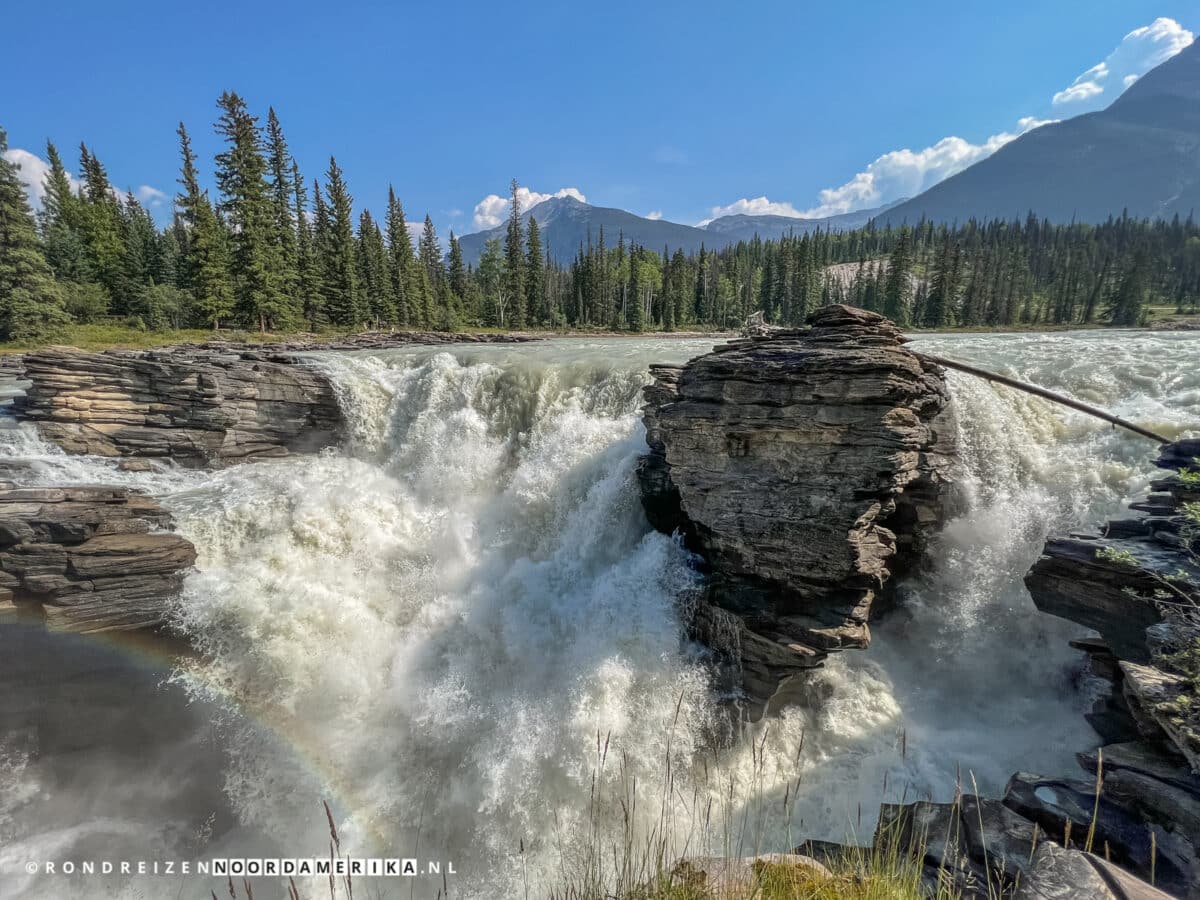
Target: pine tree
x=634, y=318
x=936, y=312
x=456, y=270
x=100, y=225
x=308, y=271
x=343, y=298
x=283, y=219
x=1125, y=308
x=322, y=251
x=535, y=286
x=205, y=261
x=62, y=236
x=432, y=293
x=456, y=275
x=514, y=260
x=403, y=262
x=31, y=304
x=898, y=286
x=246, y=203
x=373, y=275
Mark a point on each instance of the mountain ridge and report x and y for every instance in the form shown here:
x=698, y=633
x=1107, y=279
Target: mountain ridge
x=1139, y=155
x=565, y=223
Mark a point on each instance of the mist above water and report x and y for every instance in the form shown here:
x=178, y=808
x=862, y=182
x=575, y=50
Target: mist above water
x=442, y=626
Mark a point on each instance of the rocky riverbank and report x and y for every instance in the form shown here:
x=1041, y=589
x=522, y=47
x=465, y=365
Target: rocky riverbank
x=1132, y=815
x=806, y=468
x=88, y=558
x=196, y=407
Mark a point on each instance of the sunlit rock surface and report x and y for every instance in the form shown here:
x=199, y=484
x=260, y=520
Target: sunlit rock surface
x=197, y=407
x=806, y=467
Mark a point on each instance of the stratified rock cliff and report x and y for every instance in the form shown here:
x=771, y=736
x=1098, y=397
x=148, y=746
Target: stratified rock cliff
x=1138, y=584
x=805, y=467
x=88, y=558
x=198, y=407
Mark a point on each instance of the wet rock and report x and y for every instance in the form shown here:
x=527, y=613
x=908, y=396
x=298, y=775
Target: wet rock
x=1151, y=693
x=1063, y=874
x=1117, y=830
x=806, y=468
x=88, y=558
x=1115, y=583
x=978, y=845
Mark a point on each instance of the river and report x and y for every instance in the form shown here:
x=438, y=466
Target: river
x=459, y=630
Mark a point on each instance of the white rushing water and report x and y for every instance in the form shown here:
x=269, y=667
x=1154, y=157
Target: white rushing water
x=460, y=631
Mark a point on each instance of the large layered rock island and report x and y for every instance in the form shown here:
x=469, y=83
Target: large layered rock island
x=806, y=468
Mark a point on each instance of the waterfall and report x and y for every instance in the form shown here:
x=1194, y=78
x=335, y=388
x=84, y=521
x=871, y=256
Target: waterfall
x=460, y=631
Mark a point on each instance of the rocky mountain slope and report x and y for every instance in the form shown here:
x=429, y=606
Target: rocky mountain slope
x=566, y=223
x=1141, y=155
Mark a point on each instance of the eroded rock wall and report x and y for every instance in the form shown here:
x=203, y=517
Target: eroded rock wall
x=197, y=407
x=88, y=558
x=806, y=467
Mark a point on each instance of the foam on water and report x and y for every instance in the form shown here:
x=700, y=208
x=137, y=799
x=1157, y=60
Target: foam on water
x=442, y=626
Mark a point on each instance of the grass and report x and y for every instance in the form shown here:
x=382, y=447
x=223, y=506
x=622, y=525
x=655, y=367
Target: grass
x=121, y=336
x=662, y=859
x=115, y=336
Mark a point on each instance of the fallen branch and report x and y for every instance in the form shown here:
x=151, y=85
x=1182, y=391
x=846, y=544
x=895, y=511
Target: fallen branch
x=1048, y=395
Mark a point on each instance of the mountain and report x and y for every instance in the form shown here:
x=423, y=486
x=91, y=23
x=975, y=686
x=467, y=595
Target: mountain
x=1141, y=154
x=565, y=223
x=743, y=228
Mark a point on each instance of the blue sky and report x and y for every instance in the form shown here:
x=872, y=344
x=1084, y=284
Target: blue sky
x=675, y=109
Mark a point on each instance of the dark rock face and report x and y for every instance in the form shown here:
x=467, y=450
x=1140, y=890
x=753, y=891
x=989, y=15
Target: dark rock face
x=87, y=558
x=196, y=407
x=1138, y=584
x=805, y=467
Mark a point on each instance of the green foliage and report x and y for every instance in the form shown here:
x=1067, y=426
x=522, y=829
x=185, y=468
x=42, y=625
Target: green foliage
x=1190, y=478
x=205, y=269
x=514, y=260
x=1125, y=309
x=84, y=301
x=403, y=263
x=1118, y=556
x=260, y=282
x=31, y=301
x=266, y=253
x=343, y=299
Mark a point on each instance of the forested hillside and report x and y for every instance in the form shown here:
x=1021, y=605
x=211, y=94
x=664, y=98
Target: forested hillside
x=270, y=250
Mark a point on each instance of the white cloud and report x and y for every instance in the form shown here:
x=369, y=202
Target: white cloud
x=654, y=215
x=32, y=171
x=1139, y=52
x=150, y=196
x=893, y=176
x=906, y=173
x=493, y=209
x=752, y=206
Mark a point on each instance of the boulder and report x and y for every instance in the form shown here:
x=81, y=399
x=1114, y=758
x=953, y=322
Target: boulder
x=722, y=876
x=1064, y=874
x=1117, y=830
x=806, y=468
